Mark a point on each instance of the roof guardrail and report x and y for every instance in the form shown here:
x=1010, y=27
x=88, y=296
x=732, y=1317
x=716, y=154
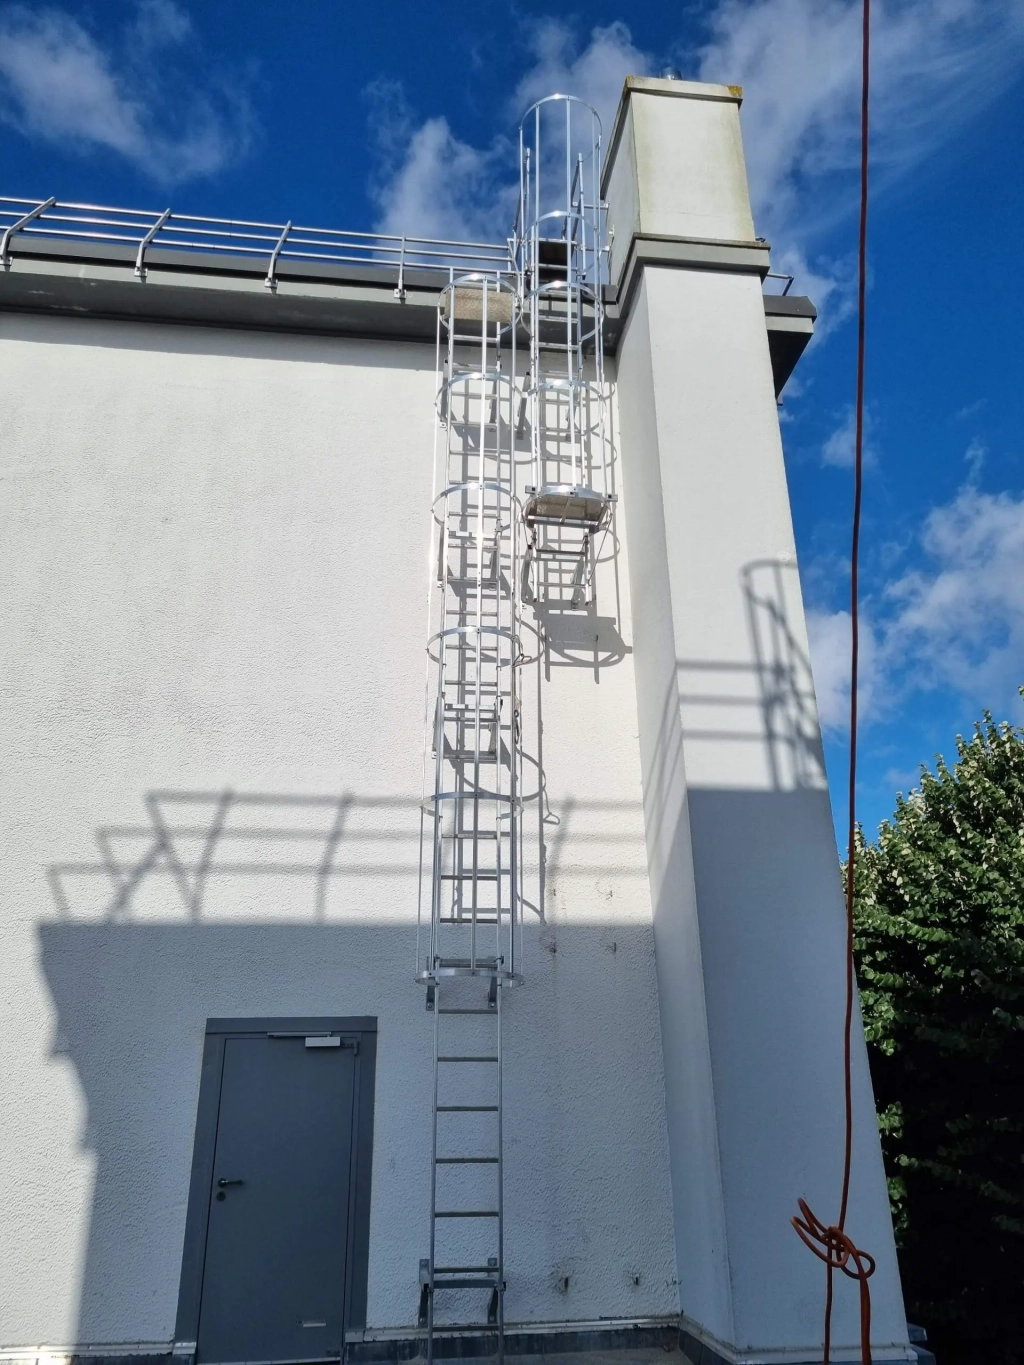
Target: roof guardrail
x=278, y=245
x=273, y=247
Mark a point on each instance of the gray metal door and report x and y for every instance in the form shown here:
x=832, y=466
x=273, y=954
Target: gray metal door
x=277, y=1235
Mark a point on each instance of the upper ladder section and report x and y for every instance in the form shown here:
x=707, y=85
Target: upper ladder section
x=471, y=866
x=561, y=258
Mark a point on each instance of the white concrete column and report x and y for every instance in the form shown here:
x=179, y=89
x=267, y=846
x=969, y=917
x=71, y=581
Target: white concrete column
x=749, y=920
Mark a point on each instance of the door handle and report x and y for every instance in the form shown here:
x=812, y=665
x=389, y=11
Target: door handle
x=222, y=1182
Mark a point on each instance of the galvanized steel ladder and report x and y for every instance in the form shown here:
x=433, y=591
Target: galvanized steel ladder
x=471, y=882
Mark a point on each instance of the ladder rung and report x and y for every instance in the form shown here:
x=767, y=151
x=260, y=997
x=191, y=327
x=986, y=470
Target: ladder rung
x=466, y=1270
x=450, y=1011
x=490, y=1327
x=472, y=834
x=465, y=1213
x=470, y=876
x=482, y=964
x=467, y=1059
x=467, y=1108
x=480, y=919
x=466, y=1160
x=478, y=1283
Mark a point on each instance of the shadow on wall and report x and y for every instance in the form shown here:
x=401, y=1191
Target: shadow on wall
x=762, y=709
x=233, y=904
x=224, y=855
x=228, y=904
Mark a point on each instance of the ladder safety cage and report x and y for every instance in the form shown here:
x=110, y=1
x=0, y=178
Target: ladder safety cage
x=470, y=909
x=561, y=258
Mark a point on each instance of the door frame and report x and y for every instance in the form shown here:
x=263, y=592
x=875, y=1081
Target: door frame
x=363, y=1029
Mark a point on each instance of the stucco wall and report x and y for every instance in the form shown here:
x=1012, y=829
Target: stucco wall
x=749, y=916
x=214, y=570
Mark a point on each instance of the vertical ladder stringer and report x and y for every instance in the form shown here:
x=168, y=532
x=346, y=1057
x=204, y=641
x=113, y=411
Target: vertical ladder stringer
x=471, y=879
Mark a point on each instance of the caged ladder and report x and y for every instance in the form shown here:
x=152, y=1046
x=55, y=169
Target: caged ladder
x=560, y=252
x=471, y=850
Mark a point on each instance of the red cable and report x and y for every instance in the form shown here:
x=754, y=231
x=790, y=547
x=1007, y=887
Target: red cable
x=831, y=1244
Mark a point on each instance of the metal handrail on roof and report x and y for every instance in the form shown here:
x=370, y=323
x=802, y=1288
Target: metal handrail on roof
x=143, y=231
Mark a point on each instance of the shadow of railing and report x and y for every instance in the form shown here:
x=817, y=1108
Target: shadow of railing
x=198, y=842
x=764, y=702
x=240, y=904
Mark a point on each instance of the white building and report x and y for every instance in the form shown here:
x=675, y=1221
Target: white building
x=217, y=480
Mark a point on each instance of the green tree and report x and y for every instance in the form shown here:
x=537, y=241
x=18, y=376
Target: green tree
x=940, y=955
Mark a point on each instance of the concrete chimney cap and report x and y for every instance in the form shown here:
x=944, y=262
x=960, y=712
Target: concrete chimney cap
x=664, y=85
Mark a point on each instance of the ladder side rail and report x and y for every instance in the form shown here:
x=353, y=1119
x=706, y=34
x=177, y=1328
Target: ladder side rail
x=433, y=1182
x=438, y=846
x=597, y=212
x=502, y=543
x=501, y=1185
x=429, y=722
x=445, y=663
x=483, y=397
x=515, y=727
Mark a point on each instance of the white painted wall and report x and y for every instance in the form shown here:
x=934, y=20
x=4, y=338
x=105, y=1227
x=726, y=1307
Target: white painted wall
x=749, y=921
x=214, y=578
x=748, y=913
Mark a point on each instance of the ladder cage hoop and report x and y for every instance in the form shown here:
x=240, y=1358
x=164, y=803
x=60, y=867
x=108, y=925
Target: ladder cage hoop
x=560, y=257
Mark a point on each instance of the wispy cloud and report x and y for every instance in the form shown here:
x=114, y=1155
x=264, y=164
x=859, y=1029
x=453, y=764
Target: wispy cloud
x=60, y=84
x=839, y=447
x=829, y=636
x=974, y=458
x=960, y=616
x=799, y=64
x=594, y=72
x=434, y=184
x=934, y=63
x=954, y=619
x=430, y=183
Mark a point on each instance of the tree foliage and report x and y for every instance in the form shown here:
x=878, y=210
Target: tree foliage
x=940, y=947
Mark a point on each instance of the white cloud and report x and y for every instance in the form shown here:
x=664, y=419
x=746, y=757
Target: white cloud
x=974, y=458
x=903, y=780
x=933, y=63
x=445, y=188
x=954, y=620
x=958, y=619
x=829, y=636
x=433, y=184
x=799, y=64
x=839, y=448
x=595, y=73
x=57, y=83
x=158, y=22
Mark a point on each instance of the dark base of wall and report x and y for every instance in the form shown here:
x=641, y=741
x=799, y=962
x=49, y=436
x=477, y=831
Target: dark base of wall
x=517, y=1343
x=554, y=1344
x=395, y=1350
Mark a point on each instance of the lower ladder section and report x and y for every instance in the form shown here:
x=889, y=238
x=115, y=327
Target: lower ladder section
x=462, y=1282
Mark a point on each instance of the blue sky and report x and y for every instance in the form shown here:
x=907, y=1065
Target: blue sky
x=348, y=115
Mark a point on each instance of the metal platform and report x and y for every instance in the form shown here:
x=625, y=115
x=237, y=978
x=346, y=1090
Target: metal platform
x=566, y=505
